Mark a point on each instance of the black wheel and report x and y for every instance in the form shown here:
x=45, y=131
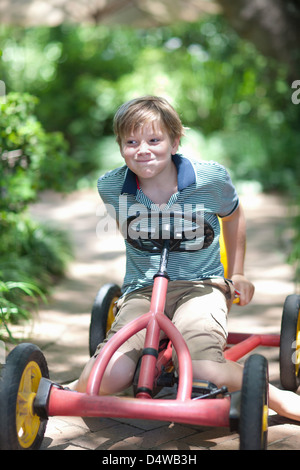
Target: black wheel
x=102, y=314
x=253, y=425
x=20, y=427
x=289, y=356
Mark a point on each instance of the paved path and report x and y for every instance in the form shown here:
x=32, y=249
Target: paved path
x=61, y=328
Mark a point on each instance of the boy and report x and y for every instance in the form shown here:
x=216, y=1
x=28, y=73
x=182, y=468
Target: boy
x=149, y=131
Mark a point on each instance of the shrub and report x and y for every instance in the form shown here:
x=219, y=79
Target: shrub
x=31, y=255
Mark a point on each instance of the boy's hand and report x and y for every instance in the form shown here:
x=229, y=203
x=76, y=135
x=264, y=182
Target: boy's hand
x=244, y=287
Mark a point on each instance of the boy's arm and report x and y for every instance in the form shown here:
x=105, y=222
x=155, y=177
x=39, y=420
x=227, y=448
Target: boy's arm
x=234, y=232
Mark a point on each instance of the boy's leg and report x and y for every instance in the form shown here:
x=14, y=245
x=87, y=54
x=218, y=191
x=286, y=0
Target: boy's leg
x=121, y=368
x=201, y=317
x=230, y=374
x=205, y=332
x=284, y=402
x=118, y=375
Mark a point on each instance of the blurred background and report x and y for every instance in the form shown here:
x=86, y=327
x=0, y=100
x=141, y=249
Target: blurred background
x=231, y=68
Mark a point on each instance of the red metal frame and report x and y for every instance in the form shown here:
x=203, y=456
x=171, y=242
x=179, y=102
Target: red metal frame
x=208, y=412
x=243, y=343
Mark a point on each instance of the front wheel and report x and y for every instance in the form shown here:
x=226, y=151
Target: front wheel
x=253, y=425
x=20, y=427
x=102, y=315
x=289, y=358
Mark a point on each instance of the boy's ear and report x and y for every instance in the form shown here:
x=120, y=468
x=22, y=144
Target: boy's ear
x=175, y=146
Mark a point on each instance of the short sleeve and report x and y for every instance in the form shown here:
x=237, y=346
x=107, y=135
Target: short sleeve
x=229, y=197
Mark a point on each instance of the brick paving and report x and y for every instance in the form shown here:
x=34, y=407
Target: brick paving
x=61, y=327
x=68, y=433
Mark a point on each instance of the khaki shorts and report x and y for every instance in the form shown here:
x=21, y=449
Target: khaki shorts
x=197, y=308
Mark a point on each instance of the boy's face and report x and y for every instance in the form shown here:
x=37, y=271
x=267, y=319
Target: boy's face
x=147, y=151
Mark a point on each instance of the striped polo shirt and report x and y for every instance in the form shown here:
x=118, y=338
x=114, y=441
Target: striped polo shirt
x=200, y=184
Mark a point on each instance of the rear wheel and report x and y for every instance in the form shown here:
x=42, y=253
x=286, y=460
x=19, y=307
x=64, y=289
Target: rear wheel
x=289, y=358
x=20, y=427
x=253, y=425
x=102, y=315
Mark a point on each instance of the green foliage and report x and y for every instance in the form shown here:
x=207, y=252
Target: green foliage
x=222, y=86
x=236, y=102
x=11, y=309
x=294, y=255
x=33, y=251
x=31, y=255
x=31, y=158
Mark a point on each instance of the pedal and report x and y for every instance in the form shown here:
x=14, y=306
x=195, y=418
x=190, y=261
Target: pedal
x=205, y=389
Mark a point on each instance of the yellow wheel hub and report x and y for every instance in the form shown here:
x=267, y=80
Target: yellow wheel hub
x=264, y=429
x=27, y=421
x=111, y=316
x=265, y=418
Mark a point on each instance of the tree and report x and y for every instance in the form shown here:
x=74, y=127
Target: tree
x=271, y=25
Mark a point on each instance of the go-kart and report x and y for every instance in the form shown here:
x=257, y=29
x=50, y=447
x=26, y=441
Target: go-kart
x=28, y=398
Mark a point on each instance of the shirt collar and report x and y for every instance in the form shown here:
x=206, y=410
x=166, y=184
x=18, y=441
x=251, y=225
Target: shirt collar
x=185, y=175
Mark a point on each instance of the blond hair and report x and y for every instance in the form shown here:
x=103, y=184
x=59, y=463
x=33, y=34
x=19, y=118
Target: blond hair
x=135, y=113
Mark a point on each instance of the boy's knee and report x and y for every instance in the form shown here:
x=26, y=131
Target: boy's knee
x=117, y=377
x=205, y=370
x=211, y=371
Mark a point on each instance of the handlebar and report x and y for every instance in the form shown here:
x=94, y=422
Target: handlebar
x=192, y=233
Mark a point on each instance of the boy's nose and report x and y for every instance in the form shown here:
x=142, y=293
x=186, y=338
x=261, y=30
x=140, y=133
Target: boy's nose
x=143, y=149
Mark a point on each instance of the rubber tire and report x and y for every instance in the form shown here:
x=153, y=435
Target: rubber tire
x=289, y=376
x=99, y=315
x=10, y=379
x=254, y=401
